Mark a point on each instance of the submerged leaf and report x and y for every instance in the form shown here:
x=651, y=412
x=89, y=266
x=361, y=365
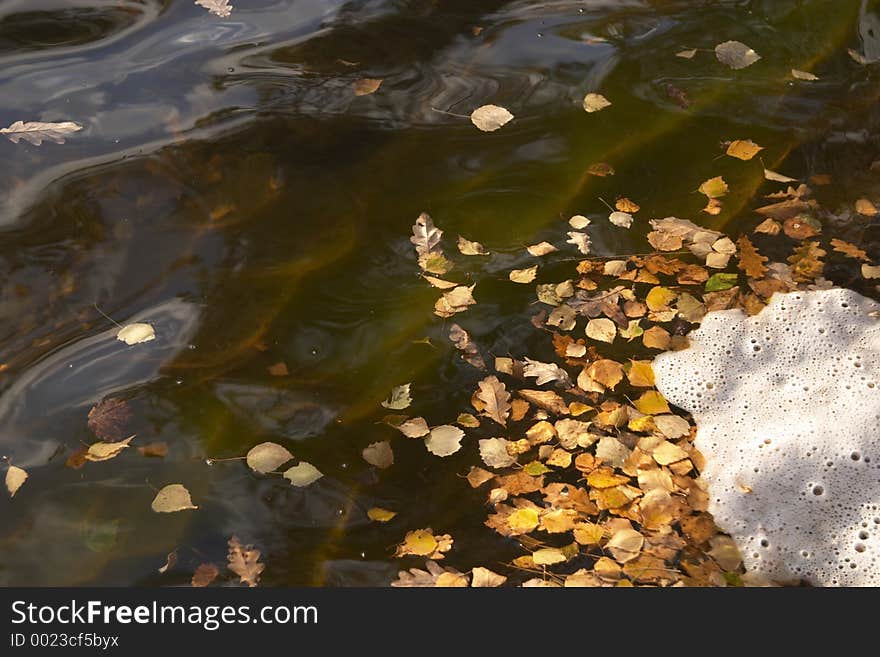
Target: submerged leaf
x=366, y=86
x=735, y=54
x=108, y=418
x=379, y=454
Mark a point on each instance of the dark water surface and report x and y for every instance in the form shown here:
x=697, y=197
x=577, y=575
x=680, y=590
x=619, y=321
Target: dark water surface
x=230, y=188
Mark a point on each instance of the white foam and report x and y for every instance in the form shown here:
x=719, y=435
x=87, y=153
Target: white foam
x=787, y=406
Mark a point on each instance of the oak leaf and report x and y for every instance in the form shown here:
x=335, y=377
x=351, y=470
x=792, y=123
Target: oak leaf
x=495, y=398
x=244, y=561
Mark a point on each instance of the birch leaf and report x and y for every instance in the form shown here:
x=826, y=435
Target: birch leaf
x=36, y=131
x=414, y=428
x=454, y=301
x=489, y=118
x=399, y=398
x=444, y=440
x=595, y=103
x=496, y=399
x=136, y=333
x=543, y=248
x=483, y=577
x=303, y=474
x=106, y=451
x=439, y=283
x=625, y=545
x=578, y=222
x=15, y=478
x=494, y=453
x=735, y=54
x=602, y=329
x=777, y=177
x=220, y=8
x=714, y=187
x=267, y=457
x=172, y=498
x=743, y=149
x=379, y=454
x=803, y=75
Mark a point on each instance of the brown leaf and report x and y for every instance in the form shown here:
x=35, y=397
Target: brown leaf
x=244, y=561
x=469, y=351
x=496, y=399
x=278, y=369
x=801, y=227
x=108, y=419
x=600, y=169
x=768, y=227
x=750, y=261
x=489, y=118
x=35, y=131
x=546, y=399
x=849, y=250
x=806, y=263
x=158, y=449
x=366, y=86
x=204, y=575
x=656, y=337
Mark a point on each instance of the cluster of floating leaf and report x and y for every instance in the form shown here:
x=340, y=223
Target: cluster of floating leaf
x=583, y=462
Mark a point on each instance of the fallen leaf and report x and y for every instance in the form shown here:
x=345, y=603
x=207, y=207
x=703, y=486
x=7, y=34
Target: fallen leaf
x=579, y=222
x=802, y=75
x=602, y=329
x=426, y=236
x=494, y=453
x=303, y=474
x=366, y=86
x=171, y=498
x=467, y=420
x=656, y=337
x=399, y=398
x=735, y=54
x=595, y=102
x=434, y=576
x=777, y=177
x=439, y=282
x=444, y=440
x=714, y=187
x=108, y=418
x=769, y=227
x=743, y=149
x=659, y=298
x=806, y=261
x=483, y=577
x=548, y=556
x=651, y=403
x=849, y=250
x=672, y=426
x=640, y=374
x=466, y=247
x=489, y=118
x=866, y=207
x=378, y=514
x=36, y=131
x=136, y=333
x=540, y=249
x=666, y=453
x=455, y=301
x=414, y=428
x=607, y=372
x=244, y=561
x=871, y=271
x=524, y=275
x=496, y=399
x=267, y=457
x=721, y=281
x=622, y=219
x=278, y=369
x=543, y=372
x=600, y=169
x=687, y=54
x=750, y=261
x=423, y=543
x=15, y=477
x=204, y=575
x=379, y=454
x=106, y=451
x=801, y=226
x=580, y=240
x=170, y=562
x=625, y=545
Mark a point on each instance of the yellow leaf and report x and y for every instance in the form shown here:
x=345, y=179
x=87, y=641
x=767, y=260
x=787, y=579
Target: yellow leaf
x=523, y=520
x=652, y=403
x=524, y=275
x=106, y=451
x=420, y=542
x=595, y=102
x=623, y=204
x=625, y=545
x=642, y=424
x=173, y=497
x=605, y=478
x=588, y=533
x=15, y=477
x=548, y=556
x=483, y=577
x=667, y=452
x=743, y=149
x=490, y=117
x=607, y=372
x=640, y=374
x=380, y=515
x=659, y=298
x=714, y=187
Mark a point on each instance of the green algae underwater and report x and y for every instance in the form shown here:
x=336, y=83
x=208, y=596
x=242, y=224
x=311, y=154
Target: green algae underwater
x=233, y=189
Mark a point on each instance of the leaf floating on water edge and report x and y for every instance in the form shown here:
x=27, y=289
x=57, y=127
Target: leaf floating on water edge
x=803, y=75
x=267, y=457
x=399, y=398
x=736, y=54
x=366, y=86
x=15, y=478
x=379, y=454
x=172, y=498
x=303, y=474
x=244, y=562
x=204, y=575
x=105, y=451
x=444, y=440
x=107, y=419
x=220, y=8
x=595, y=103
x=136, y=333
x=36, y=131
x=489, y=118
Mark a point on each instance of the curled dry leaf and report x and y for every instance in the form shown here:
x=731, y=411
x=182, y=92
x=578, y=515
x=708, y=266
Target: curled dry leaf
x=595, y=102
x=466, y=247
x=204, y=575
x=540, y=249
x=735, y=54
x=426, y=236
x=36, y=131
x=544, y=372
x=220, y=8
x=524, y=275
x=379, y=454
x=106, y=451
x=495, y=398
x=366, y=86
x=455, y=301
x=267, y=457
x=244, y=561
x=444, y=440
x=489, y=118
x=622, y=219
x=580, y=240
x=107, y=419
x=803, y=75
x=136, y=333
x=469, y=351
x=303, y=474
x=777, y=177
x=15, y=478
x=399, y=398
x=172, y=498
